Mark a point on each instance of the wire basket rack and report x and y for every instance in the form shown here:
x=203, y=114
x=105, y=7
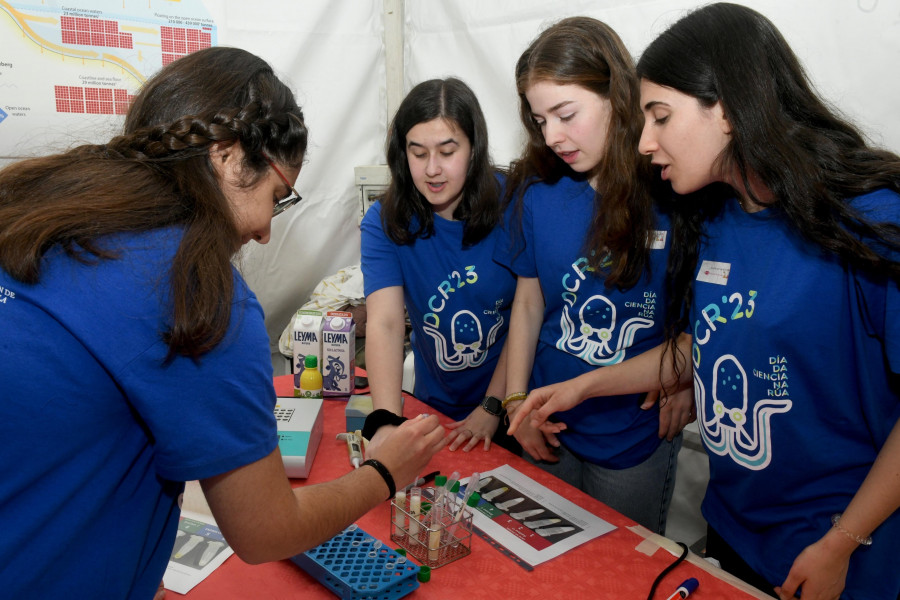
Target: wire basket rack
x=437, y=533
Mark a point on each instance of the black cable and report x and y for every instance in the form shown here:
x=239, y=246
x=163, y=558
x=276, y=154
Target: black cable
x=668, y=569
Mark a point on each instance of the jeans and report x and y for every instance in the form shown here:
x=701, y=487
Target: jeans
x=642, y=492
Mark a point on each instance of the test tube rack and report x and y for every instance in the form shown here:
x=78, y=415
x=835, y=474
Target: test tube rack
x=356, y=566
x=433, y=542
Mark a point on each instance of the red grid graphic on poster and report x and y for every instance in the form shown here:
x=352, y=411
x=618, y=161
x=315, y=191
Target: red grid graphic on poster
x=69, y=99
x=92, y=100
x=94, y=32
x=122, y=100
x=178, y=41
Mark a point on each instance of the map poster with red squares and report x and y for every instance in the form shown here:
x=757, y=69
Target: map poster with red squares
x=69, y=71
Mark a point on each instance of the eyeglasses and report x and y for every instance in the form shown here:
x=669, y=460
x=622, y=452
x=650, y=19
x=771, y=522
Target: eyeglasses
x=285, y=203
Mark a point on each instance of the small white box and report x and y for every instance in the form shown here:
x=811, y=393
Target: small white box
x=300, y=425
x=372, y=182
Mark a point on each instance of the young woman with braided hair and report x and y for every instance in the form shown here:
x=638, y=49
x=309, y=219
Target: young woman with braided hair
x=116, y=283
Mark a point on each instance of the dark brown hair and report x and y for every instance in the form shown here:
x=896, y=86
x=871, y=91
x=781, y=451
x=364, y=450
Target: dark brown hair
x=406, y=215
x=807, y=155
x=158, y=174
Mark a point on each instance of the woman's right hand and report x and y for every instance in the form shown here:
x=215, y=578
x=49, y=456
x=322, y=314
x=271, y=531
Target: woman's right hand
x=543, y=402
x=406, y=450
x=383, y=433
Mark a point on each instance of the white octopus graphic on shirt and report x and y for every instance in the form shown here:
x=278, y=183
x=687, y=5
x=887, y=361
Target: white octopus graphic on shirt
x=589, y=336
x=468, y=345
x=725, y=424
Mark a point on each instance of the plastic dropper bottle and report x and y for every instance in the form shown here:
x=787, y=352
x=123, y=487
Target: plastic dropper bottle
x=310, y=378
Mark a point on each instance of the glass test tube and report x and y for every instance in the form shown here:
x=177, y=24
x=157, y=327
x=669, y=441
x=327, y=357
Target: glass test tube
x=399, y=516
x=434, y=533
x=415, y=509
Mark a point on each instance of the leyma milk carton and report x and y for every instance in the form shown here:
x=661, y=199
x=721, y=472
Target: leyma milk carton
x=338, y=364
x=306, y=339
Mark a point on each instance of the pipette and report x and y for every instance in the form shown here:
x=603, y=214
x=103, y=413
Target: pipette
x=354, y=447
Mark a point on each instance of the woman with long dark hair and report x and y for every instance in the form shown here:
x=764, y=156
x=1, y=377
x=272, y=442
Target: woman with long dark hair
x=134, y=357
x=428, y=246
x=786, y=266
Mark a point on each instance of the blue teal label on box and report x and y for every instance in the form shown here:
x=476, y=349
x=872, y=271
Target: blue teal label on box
x=293, y=443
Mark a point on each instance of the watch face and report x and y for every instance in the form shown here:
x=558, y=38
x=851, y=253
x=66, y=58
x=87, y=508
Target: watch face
x=492, y=405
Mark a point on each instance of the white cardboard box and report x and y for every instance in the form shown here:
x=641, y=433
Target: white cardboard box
x=300, y=426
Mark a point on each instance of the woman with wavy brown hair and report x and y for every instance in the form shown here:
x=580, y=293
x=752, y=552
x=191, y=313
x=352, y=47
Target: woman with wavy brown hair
x=133, y=355
x=590, y=253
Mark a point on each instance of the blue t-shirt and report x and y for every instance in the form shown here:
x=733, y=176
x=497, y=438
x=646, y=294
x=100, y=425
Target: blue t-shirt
x=586, y=325
x=458, y=300
x=99, y=432
x=795, y=360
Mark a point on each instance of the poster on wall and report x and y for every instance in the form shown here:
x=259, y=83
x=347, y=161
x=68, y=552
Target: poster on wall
x=68, y=70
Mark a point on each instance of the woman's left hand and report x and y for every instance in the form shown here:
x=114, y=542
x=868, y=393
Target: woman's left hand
x=478, y=426
x=674, y=413
x=821, y=569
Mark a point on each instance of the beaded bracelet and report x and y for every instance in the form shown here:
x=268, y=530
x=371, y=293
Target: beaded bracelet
x=836, y=523
x=385, y=474
x=513, y=398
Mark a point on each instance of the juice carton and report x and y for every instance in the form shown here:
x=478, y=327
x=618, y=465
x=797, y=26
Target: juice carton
x=338, y=364
x=306, y=339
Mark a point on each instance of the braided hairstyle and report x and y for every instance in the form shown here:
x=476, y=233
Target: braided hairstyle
x=157, y=174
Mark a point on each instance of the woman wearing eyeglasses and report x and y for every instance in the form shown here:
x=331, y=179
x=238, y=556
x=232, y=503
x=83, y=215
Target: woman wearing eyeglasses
x=133, y=356
x=428, y=245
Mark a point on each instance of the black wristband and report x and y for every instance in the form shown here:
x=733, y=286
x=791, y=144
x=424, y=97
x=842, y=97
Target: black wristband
x=385, y=474
x=378, y=419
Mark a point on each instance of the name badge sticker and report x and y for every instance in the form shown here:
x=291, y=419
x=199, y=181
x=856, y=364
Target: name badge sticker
x=714, y=272
x=657, y=239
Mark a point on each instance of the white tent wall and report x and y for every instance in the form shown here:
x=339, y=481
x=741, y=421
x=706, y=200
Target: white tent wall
x=331, y=52
x=850, y=49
